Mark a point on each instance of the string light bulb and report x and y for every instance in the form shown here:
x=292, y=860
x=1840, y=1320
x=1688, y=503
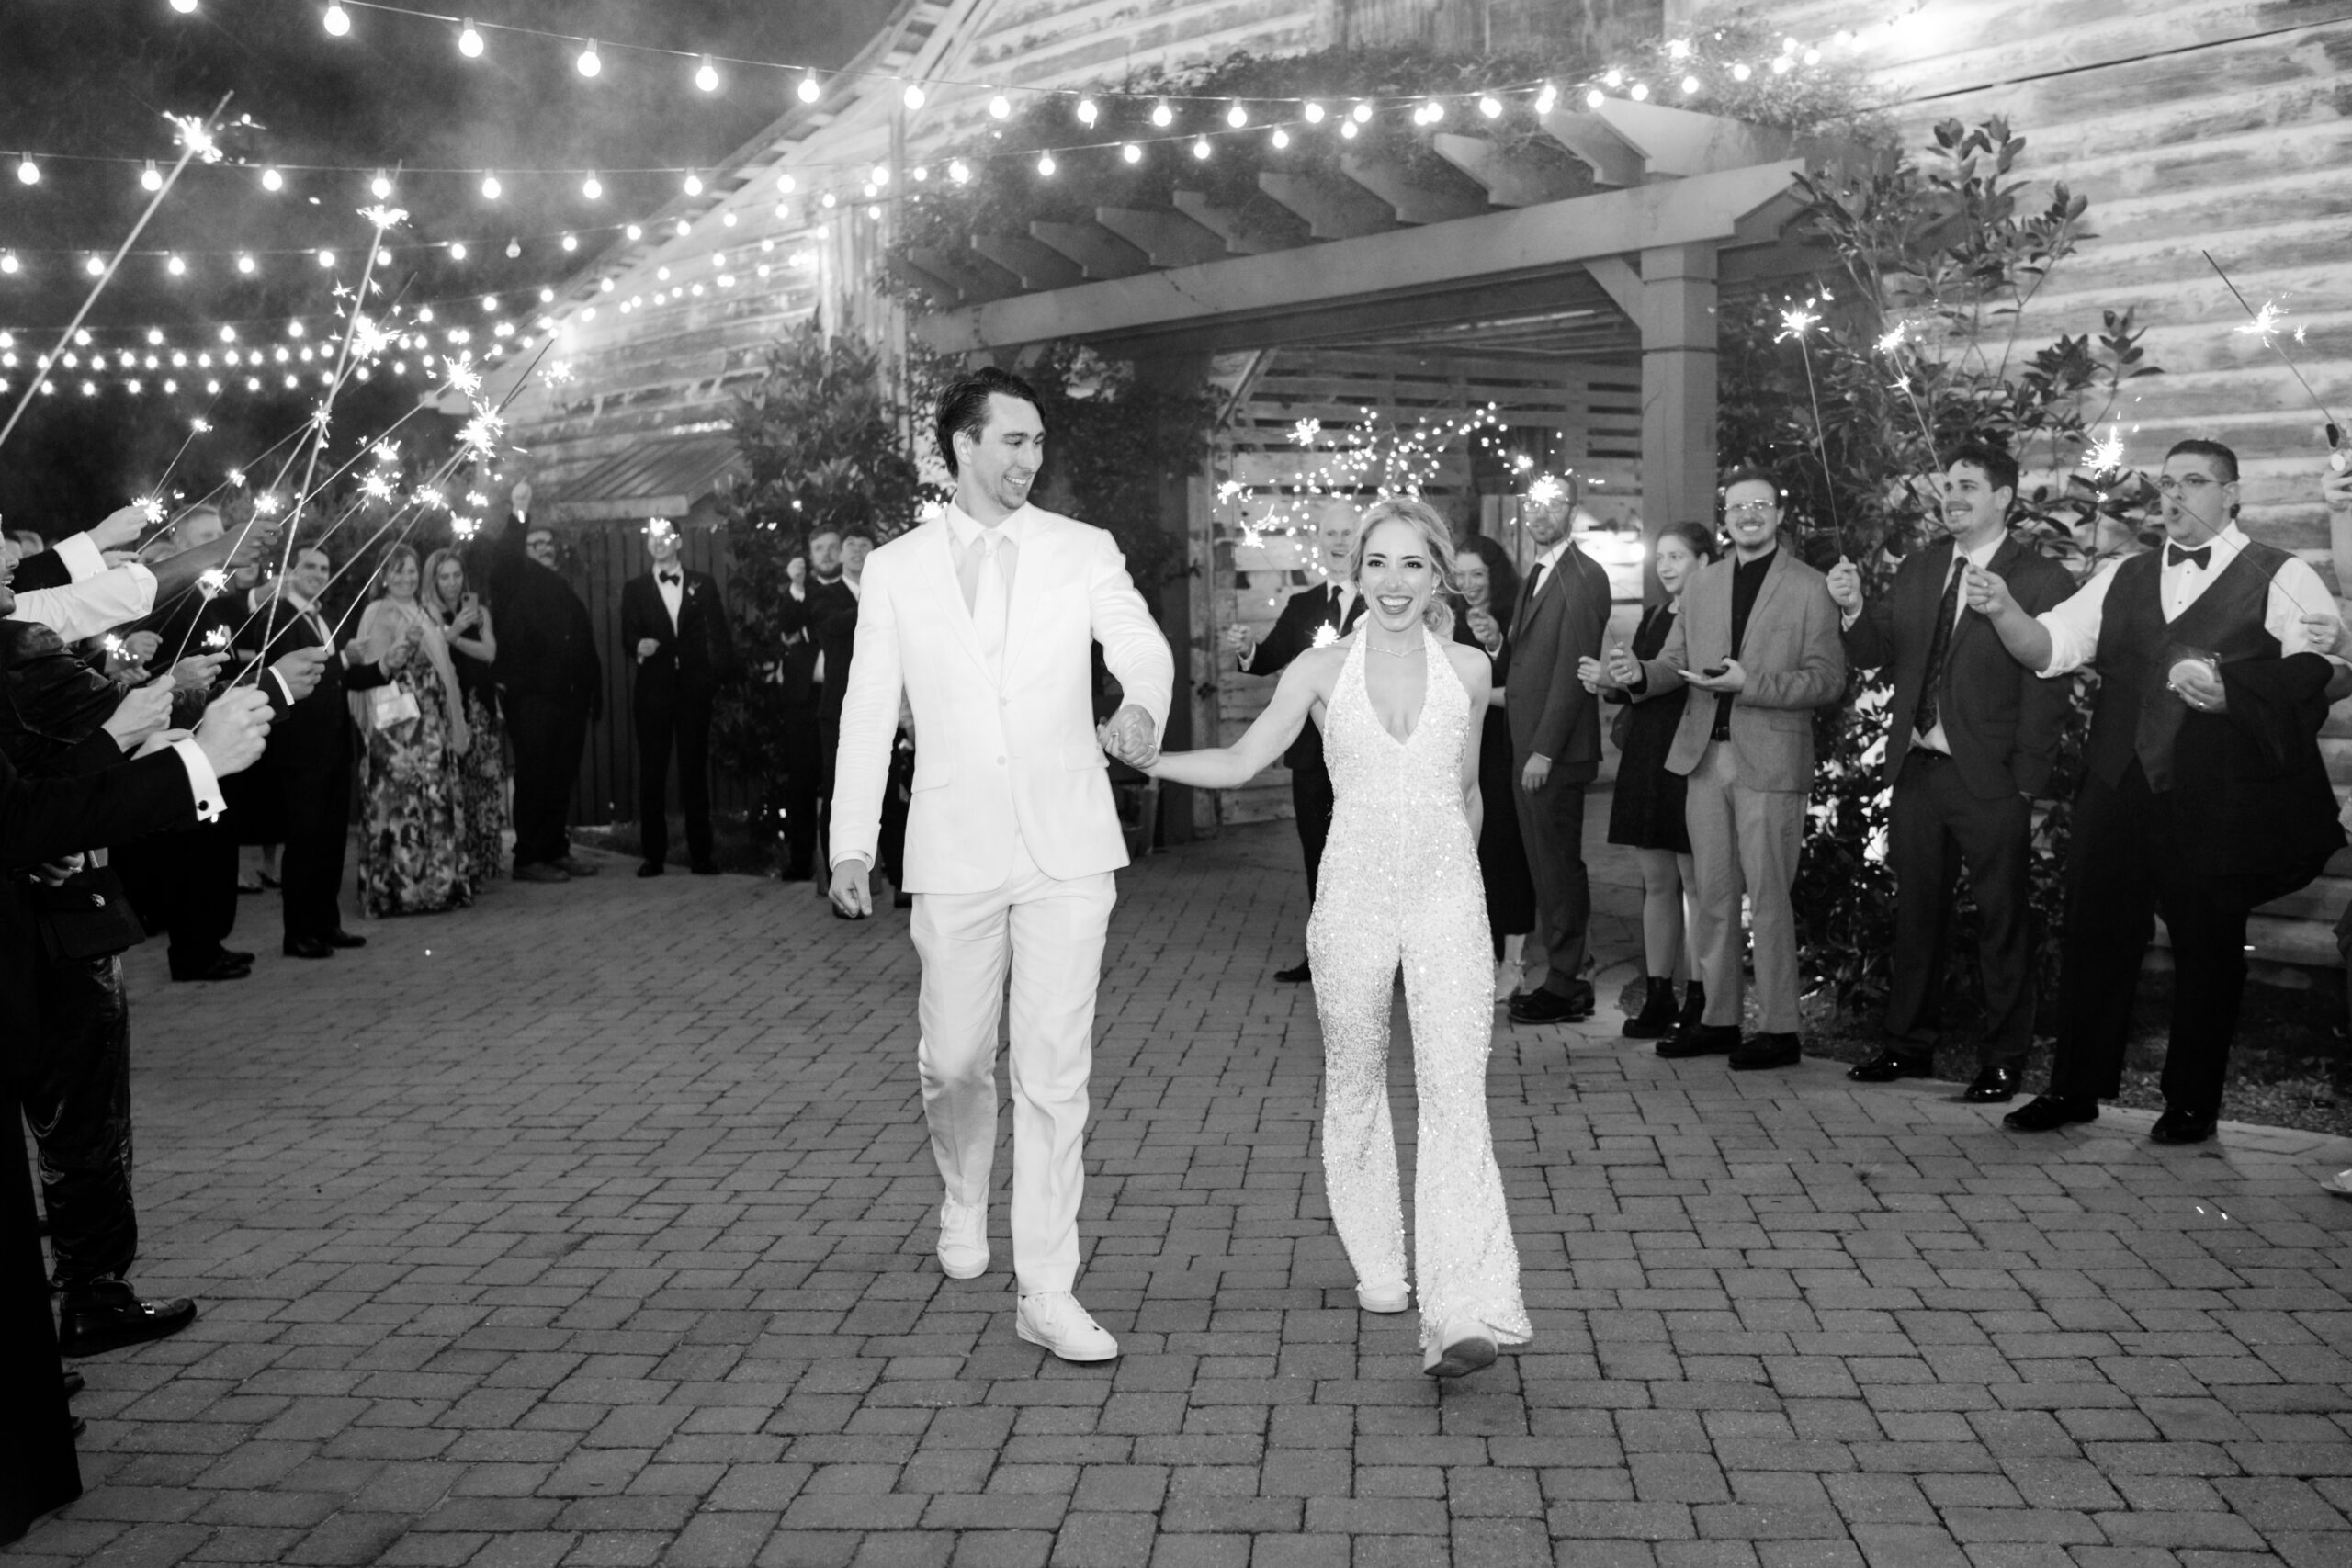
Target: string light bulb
x=1201, y=147
x=1641, y=92
x=514, y=247
x=1237, y=117
x=326, y=258
x=1087, y=112
x=959, y=171
x=1491, y=107
x=1314, y=114
x=28, y=172
x=1162, y=114
x=470, y=39
x=151, y=177
x=95, y=267
x=593, y=188
x=1689, y=85
x=1348, y=129
x=1130, y=153
x=1741, y=72
x=1546, y=99
x=693, y=183
x=809, y=90
x=1281, y=139
x=1595, y=98
x=706, y=75
x=571, y=242
x=1045, y=165
x=271, y=180
x=337, y=21
x=457, y=250
x=999, y=108
x=175, y=265
x=9, y=263
x=913, y=97
x=246, y=264
x=590, y=62
x=381, y=187
x=490, y=189
x=1360, y=113
x=185, y=7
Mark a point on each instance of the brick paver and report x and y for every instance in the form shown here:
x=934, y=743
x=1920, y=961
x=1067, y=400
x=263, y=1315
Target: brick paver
x=592, y=1226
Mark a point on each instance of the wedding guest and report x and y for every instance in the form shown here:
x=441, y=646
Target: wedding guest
x=480, y=769
x=820, y=622
x=1647, y=813
x=550, y=686
x=674, y=625
x=412, y=853
x=1486, y=579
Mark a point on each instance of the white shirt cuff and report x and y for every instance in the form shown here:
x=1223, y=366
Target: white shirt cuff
x=81, y=556
x=201, y=779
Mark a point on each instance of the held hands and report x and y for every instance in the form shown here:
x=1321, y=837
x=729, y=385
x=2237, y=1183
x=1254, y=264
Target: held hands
x=1846, y=586
x=141, y=714
x=300, y=671
x=1729, y=678
x=235, y=729
x=849, y=895
x=1131, y=737
x=1987, y=593
x=1537, y=773
x=1591, y=676
x=1239, y=642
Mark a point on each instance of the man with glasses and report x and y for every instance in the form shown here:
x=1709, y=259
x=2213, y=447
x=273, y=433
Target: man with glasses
x=2203, y=793
x=1758, y=644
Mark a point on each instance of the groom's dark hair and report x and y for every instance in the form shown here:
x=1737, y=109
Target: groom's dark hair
x=965, y=405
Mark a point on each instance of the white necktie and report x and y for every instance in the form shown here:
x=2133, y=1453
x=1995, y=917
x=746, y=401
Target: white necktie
x=989, y=604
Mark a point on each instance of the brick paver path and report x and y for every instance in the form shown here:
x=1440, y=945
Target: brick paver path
x=592, y=1226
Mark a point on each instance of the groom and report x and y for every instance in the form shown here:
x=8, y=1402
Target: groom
x=985, y=619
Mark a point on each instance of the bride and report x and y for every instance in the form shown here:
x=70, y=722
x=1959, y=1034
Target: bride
x=1399, y=708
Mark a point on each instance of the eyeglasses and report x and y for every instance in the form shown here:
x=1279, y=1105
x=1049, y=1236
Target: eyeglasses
x=2186, y=484
x=1752, y=508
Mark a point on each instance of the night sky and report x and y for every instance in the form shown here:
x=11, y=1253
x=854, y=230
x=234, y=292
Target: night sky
x=88, y=80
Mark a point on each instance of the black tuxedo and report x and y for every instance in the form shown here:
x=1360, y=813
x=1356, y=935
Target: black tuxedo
x=41, y=821
x=45, y=569
x=309, y=762
x=186, y=884
x=1555, y=622
x=1309, y=613
x=1972, y=805
x=550, y=687
x=819, y=630
x=674, y=685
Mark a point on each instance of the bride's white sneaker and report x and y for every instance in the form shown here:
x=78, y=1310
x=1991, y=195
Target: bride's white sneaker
x=1460, y=1348
x=1054, y=1319
x=963, y=1239
x=1384, y=1298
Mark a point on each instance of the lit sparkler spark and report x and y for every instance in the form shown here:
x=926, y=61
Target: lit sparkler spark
x=388, y=453
x=2266, y=321
x=476, y=498
x=2299, y=331
x=192, y=133
x=1326, y=635
x=1305, y=432
x=266, y=504
x=112, y=644
x=152, y=506
x=464, y=528
x=325, y=417
x=217, y=639
x=1889, y=340
x=370, y=338
x=481, y=433
x=655, y=527
x=236, y=478
x=199, y=426
x=384, y=217
x=557, y=374
x=463, y=377
x=1545, y=490
x=427, y=498
x=1794, y=322
x=213, y=584
x=2105, y=455
x=377, y=485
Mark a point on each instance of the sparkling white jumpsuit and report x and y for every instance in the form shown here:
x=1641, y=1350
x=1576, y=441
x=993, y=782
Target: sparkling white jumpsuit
x=1400, y=885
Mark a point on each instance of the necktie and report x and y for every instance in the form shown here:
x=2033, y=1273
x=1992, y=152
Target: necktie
x=989, y=604
x=2174, y=555
x=1932, y=689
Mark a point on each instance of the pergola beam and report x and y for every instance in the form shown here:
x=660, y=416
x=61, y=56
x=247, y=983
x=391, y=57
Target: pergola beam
x=1467, y=256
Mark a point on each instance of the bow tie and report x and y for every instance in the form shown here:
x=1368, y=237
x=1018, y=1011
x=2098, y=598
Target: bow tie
x=669, y=577
x=2174, y=555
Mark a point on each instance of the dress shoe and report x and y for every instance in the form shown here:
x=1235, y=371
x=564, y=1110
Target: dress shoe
x=1889, y=1065
x=250, y=887
x=1457, y=1351
x=1991, y=1086
x=1701, y=1040
x=649, y=868
x=963, y=1240
x=541, y=871
x=308, y=947
x=2182, y=1127
x=1547, y=1005
x=245, y=958
x=1298, y=974
x=1054, y=1319
x=573, y=865
x=340, y=938
x=2048, y=1112
x=703, y=868
x=1384, y=1299
x=1694, y=1007
x=219, y=967
x=1768, y=1051
x=108, y=1315
x=1509, y=974
x=1655, y=1021
x=74, y=1383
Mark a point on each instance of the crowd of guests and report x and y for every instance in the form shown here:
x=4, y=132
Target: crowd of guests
x=2203, y=794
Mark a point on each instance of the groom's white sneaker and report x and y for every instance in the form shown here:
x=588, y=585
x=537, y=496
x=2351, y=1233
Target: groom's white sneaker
x=1054, y=1319
x=963, y=1239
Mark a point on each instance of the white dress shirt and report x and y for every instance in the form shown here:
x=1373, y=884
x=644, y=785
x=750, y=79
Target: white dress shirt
x=202, y=782
x=964, y=540
x=1544, y=565
x=80, y=557
x=1980, y=557
x=2295, y=592
x=92, y=604
x=670, y=582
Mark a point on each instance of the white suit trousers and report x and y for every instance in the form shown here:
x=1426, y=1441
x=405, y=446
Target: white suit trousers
x=1047, y=934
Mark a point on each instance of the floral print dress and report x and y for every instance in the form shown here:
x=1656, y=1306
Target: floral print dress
x=412, y=846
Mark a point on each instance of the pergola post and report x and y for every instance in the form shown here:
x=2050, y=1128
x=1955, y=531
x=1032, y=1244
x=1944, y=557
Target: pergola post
x=1678, y=343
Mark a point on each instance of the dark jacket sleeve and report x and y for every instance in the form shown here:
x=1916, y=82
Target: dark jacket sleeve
x=1869, y=641
x=46, y=569
x=1288, y=640
x=42, y=819
x=588, y=670
x=634, y=624
x=726, y=667
x=2043, y=705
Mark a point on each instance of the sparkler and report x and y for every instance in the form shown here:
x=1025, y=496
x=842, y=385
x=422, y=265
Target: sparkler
x=1794, y=323
x=2263, y=326
x=2106, y=454
x=196, y=140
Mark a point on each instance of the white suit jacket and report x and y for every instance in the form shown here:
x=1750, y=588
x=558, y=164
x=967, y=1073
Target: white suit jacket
x=994, y=759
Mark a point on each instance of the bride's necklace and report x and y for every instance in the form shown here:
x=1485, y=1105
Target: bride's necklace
x=1393, y=652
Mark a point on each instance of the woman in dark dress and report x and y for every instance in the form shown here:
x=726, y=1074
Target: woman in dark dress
x=479, y=773
x=1646, y=811
x=1488, y=578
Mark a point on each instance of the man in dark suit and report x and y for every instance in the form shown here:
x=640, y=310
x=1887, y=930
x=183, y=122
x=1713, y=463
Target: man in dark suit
x=674, y=625
x=819, y=621
x=1758, y=644
x=311, y=753
x=1309, y=617
x=1970, y=748
x=550, y=685
x=1562, y=617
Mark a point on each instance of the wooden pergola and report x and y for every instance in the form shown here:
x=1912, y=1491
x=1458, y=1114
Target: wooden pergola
x=1613, y=241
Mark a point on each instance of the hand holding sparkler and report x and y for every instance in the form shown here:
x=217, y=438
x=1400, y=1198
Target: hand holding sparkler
x=138, y=647
x=141, y=714
x=234, y=730
x=300, y=671
x=197, y=671
x=121, y=528
x=1846, y=586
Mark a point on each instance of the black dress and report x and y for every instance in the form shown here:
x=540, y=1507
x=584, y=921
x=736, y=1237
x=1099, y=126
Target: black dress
x=1502, y=853
x=1646, y=812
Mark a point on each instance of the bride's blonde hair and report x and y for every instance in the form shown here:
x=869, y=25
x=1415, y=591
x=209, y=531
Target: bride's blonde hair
x=1436, y=533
